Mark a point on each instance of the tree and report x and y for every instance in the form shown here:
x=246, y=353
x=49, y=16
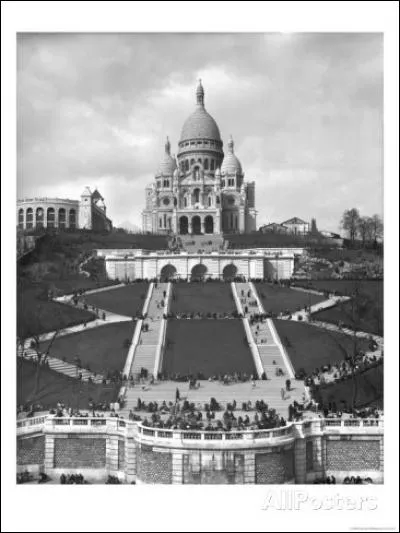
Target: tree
x=30, y=326
x=349, y=222
x=365, y=229
x=358, y=309
x=377, y=227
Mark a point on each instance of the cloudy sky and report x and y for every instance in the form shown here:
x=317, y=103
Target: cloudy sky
x=305, y=111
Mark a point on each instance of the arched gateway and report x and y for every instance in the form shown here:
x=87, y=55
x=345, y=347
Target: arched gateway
x=168, y=272
x=198, y=272
x=229, y=272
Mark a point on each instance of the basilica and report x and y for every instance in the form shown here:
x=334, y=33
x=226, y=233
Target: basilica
x=202, y=191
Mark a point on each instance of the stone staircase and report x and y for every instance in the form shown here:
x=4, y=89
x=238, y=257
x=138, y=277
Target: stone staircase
x=207, y=243
x=69, y=369
x=265, y=336
x=145, y=354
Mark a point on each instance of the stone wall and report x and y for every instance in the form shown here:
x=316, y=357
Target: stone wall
x=352, y=455
x=77, y=452
x=215, y=468
x=121, y=454
x=30, y=451
x=299, y=453
x=274, y=467
x=153, y=466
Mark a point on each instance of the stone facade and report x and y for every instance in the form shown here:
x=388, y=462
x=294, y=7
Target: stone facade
x=202, y=191
x=87, y=213
x=297, y=453
x=76, y=452
x=249, y=264
x=30, y=451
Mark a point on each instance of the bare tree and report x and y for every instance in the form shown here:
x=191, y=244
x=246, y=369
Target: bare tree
x=365, y=228
x=353, y=317
x=349, y=222
x=30, y=330
x=377, y=227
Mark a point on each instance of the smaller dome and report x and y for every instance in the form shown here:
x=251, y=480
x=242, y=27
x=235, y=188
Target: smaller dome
x=167, y=164
x=231, y=163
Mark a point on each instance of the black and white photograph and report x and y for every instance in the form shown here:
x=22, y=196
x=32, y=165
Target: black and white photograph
x=200, y=230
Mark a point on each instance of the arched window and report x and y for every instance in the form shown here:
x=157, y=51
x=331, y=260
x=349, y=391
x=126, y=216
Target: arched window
x=62, y=219
x=222, y=183
x=21, y=219
x=185, y=202
x=196, y=195
x=29, y=218
x=212, y=167
x=72, y=219
x=187, y=164
x=209, y=201
x=205, y=164
x=39, y=217
x=51, y=217
x=192, y=162
x=160, y=222
x=199, y=161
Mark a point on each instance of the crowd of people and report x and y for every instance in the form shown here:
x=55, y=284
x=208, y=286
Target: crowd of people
x=73, y=479
x=189, y=416
x=342, y=369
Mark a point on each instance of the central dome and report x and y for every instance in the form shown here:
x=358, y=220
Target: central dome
x=200, y=124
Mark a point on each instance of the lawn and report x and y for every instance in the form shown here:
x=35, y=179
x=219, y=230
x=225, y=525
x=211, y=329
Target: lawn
x=36, y=315
x=369, y=390
x=209, y=297
x=127, y=300
x=101, y=349
x=371, y=292
x=310, y=347
x=276, y=299
x=206, y=346
x=55, y=387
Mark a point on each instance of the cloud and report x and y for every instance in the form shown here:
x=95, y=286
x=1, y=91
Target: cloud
x=305, y=111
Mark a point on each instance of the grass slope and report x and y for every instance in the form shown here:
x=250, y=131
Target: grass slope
x=206, y=346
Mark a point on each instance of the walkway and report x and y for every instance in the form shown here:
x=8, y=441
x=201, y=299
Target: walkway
x=270, y=348
x=69, y=369
x=146, y=351
x=269, y=391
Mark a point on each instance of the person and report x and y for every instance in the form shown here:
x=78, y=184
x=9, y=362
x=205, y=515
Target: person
x=283, y=394
x=177, y=395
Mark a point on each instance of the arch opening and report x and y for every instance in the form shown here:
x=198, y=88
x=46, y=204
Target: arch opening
x=183, y=226
x=198, y=272
x=196, y=225
x=168, y=273
x=229, y=272
x=209, y=224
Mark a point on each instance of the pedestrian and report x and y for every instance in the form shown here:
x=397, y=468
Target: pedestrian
x=177, y=395
x=283, y=394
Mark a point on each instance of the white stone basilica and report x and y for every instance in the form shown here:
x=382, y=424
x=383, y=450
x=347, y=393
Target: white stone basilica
x=204, y=191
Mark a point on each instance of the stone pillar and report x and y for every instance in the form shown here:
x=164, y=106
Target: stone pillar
x=177, y=468
x=300, y=461
x=242, y=225
x=190, y=228
x=381, y=457
x=48, y=453
x=130, y=454
x=320, y=455
x=249, y=468
x=203, y=226
x=112, y=454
